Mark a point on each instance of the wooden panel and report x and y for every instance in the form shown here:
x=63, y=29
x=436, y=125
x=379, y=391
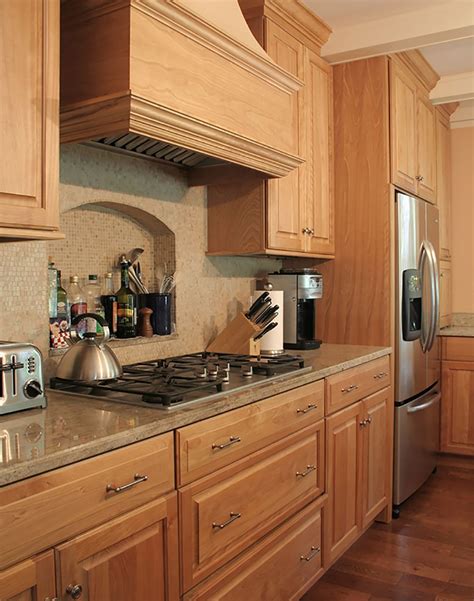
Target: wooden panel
x=403, y=117
x=74, y=498
x=31, y=580
x=375, y=475
x=350, y=386
x=445, y=293
x=263, y=495
x=457, y=407
x=286, y=198
x=275, y=569
x=255, y=425
x=348, y=313
x=426, y=148
x=458, y=349
x=134, y=556
x=319, y=167
x=29, y=116
x=344, y=456
x=443, y=183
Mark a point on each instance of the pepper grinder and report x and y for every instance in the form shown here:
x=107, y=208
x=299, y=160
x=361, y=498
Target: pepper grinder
x=144, y=324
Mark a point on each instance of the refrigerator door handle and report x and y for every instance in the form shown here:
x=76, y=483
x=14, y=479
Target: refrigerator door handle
x=424, y=406
x=428, y=256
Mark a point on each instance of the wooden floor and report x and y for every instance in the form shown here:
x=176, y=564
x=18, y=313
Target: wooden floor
x=425, y=555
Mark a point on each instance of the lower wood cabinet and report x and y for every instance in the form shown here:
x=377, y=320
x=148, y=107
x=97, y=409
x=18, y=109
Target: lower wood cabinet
x=30, y=580
x=134, y=557
x=279, y=568
x=358, y=476
x=457, y=396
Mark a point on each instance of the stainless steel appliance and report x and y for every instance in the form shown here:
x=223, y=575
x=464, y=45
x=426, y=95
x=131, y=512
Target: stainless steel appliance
x=172, y=382
x=300, y=291
x=21, y=377
x=417, y=375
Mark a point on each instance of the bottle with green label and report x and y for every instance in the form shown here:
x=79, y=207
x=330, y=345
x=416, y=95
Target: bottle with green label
x=126, y=306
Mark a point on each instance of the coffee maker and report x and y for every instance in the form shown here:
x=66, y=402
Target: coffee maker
x=301, y=288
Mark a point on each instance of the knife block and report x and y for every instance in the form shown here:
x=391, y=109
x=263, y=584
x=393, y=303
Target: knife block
x=237, y=338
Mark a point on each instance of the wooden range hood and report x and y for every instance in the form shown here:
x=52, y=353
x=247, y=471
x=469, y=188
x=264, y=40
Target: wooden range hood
x=178, y=80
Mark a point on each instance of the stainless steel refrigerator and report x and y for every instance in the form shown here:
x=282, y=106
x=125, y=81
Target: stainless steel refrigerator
x=417, y=396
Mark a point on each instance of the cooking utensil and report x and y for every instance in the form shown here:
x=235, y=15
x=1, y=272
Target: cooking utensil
x=89, y=358
x=167, y=284
x=133, y=255
x=269, y=328
x=269, y=311
x=257, y=305
x=265, y=323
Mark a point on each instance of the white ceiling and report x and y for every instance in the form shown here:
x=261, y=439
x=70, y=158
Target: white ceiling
x=451, y=58
x=341, y=13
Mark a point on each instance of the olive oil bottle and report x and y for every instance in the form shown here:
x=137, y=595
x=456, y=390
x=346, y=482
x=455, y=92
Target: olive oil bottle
x=126, y=306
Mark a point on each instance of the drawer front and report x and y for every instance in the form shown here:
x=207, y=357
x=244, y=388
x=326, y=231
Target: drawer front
x=45, y=510
x=280, y=568
x=233, y=513
x=221, y=440
x=458, y=349
x=354, y=384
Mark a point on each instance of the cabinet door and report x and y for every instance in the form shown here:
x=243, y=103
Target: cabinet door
x=31, y=580
x=132, y=557
x=457, y=407
x=344, y=455
x=319, y=165
x=375, y=473
x=443, y=184
x=426, y=148
x=285, y=196
x=445, y=294
x=29, y=117
x=403, y=128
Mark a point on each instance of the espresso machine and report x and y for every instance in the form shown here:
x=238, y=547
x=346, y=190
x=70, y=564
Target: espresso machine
x=301, y=288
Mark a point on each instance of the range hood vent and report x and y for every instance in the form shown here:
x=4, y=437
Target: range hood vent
x=182, y=81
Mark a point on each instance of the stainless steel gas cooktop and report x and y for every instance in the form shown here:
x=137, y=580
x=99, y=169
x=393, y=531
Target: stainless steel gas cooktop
x=173, y=382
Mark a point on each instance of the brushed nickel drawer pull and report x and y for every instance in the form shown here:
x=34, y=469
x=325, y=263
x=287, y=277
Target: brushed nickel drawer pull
x=74, y=591
x=380, y=375
x=363, y=423
x=232, y=440
x=307, y=410
x=233, y=516
x=350, y=388
x=136, y=480
x=308, y=470
x=369, y=419
x=314, y=551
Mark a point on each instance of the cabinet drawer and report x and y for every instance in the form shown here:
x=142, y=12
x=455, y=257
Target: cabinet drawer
x=224, y=518
x=43, y=511
x=458, y=349
x=354, y=384
x=279, y=568
x=218, y=441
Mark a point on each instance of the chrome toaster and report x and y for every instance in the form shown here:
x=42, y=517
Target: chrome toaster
x=21, y=377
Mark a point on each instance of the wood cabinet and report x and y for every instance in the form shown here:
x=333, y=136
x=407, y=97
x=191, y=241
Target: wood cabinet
x=31, y=580
x=29, y=118
x=445, y=294
x=413, y=132
x=457, y=396
x=358, y=474
x=134, y=556
x=294, y=215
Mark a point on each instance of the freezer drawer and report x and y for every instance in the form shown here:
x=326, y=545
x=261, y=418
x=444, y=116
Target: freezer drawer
x=416, y=443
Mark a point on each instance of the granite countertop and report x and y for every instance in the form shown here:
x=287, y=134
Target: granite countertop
x=461, y=331
x=74, y=427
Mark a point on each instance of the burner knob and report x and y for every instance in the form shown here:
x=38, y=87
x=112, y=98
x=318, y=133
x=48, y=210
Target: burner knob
x=212, y=371
x=246, y=371
x=32, y=389
x=202, y=372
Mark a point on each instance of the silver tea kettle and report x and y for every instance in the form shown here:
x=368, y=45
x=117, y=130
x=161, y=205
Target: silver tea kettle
x=89, y=358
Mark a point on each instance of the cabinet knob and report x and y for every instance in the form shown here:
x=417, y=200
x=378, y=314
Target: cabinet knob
x=419, y=178
x=306, y=230
x=74, y=591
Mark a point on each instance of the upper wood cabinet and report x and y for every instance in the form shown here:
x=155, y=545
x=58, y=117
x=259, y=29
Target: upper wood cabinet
x=294, y=215
x=31, y=580
x=412, y=129
x=443, y=174
x=29, y=118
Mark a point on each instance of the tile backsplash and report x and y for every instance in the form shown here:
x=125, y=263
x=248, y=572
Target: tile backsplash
x=209, y=290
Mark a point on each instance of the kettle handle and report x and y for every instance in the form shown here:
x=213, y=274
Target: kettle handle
x=75, y=335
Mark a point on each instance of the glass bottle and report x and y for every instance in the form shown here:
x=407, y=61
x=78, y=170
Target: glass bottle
x=94, y=304
x=109, y=302
x=52, y=285
x=62, y=301
x=126, y=306
x=77, y=301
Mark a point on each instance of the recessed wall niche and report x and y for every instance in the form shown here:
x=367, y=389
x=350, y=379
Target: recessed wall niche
x=98, y=233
